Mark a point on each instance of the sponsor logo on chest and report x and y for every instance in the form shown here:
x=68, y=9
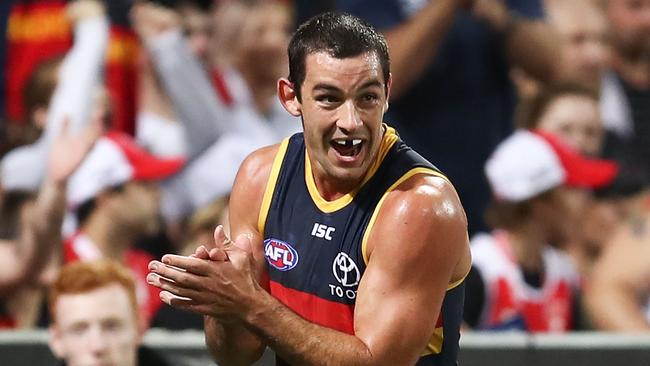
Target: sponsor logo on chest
x=322, y=231
x=347, y=274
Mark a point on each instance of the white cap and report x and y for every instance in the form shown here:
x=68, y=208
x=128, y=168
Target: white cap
x=531, y=162
x=116, y=159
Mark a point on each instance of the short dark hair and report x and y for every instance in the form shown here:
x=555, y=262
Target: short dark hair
x=341, y=36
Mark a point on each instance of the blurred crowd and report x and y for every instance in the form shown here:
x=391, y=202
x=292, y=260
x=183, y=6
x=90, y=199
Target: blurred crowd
x=124, y=123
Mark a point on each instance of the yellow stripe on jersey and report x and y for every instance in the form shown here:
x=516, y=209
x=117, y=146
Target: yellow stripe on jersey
x=388, y=140
x=435, y=343
x=407, y=175
x=455, y=284
x=270, y=185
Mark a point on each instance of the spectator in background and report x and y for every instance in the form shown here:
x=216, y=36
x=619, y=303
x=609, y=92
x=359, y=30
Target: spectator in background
x=568, y=110
x=116, y=202
x=69, y=91
x=451, y=62
x=518, y=279
x=618, y=295
x=157, y=126
x=583, y=35
x=626, y=90
x=30, y=227
x=95, y=317
x=584, y=47
x=222, y=124
x=571, y=111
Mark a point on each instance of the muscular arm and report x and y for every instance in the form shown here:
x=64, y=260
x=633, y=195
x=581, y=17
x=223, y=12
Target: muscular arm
x=620, y=284
x=418, y=246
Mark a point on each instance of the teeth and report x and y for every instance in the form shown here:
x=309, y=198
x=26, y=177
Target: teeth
x=344, y=142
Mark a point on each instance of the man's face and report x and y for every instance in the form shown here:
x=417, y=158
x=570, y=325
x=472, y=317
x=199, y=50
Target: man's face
x=343, y=103
x=576, y=119
x=96, y=328
x=630, y=25
x=263, y=42
x=585, y=47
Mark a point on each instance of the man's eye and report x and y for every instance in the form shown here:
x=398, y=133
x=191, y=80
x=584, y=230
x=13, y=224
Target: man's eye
x=77, y=329
x=370, y=97
x=327, y=99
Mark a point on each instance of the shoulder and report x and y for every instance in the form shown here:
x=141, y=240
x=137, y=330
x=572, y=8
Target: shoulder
x=250, y=184
x=423, y=213
x=256, y=168
x=429, y=198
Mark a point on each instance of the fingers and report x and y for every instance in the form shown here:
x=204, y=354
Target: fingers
x=175, y=288
x=220, y=237
x=172, y=264
x=201, y=252
x=218, y=254
x=184, y=303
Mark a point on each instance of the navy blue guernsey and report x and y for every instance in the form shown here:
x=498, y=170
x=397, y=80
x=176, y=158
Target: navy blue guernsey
x=316, y=249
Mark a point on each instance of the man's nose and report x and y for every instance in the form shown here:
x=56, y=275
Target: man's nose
x=349, y=118
x=97, y=342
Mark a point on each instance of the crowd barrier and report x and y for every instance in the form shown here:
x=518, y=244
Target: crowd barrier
x=29, y=348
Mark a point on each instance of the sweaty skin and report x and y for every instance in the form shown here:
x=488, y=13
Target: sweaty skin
x=227, y=282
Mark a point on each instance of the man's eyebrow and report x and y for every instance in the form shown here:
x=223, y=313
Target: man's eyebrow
x=326, y=87
x=367, y=84
x=372, y=83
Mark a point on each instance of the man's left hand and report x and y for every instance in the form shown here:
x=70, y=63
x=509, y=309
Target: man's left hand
x=221, y=289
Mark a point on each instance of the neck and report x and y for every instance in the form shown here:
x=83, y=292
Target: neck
x=110, y=240
x=528, y=242
x=332, y=190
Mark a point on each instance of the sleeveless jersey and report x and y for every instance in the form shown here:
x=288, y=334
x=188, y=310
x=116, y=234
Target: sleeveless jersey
x=315, y=249
x=510, y=302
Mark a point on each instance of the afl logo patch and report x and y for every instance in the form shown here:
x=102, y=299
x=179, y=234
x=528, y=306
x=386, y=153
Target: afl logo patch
x=280, y=255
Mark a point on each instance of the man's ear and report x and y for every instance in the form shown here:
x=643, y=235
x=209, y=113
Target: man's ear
x=288, y=97
x=54, y=341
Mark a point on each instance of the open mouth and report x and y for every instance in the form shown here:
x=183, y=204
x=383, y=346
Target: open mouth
x=349, y=148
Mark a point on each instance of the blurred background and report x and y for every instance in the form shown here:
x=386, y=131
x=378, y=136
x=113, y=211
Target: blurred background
x=123, y=123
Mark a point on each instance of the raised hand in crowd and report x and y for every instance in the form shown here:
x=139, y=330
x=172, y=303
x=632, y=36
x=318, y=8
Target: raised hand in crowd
x=22, y=259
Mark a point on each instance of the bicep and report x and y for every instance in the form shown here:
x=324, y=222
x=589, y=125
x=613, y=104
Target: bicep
x=418, y=243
